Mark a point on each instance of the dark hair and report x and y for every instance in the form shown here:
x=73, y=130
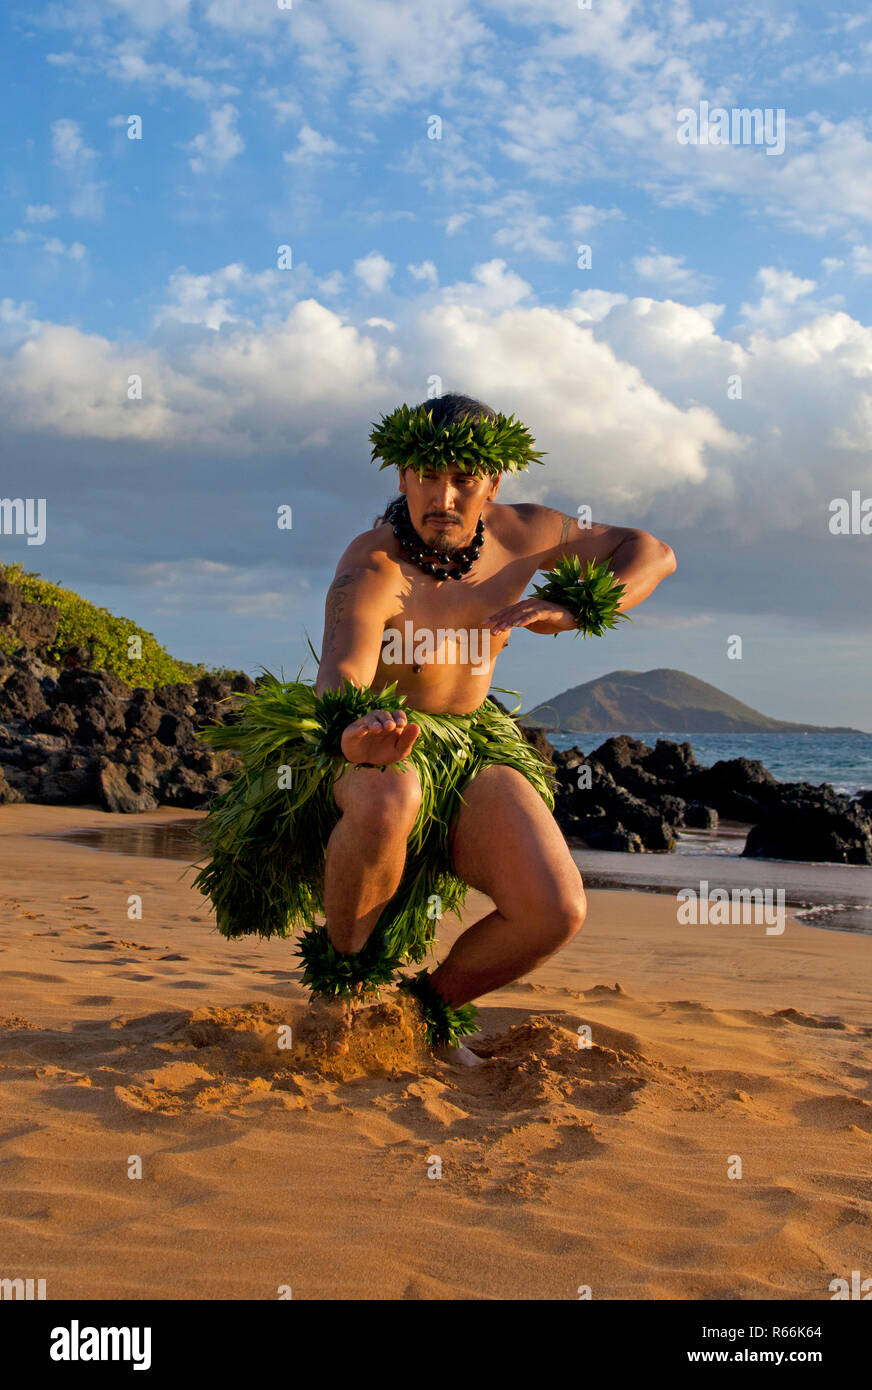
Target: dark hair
x=447, y=410
x=451, y=408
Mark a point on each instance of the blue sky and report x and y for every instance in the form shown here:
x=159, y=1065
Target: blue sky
x=455, y=258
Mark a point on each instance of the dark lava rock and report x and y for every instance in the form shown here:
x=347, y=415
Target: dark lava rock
x=674, y=810
x=115, y=791
x=21, y=696
x=616, y=838
x=61, y=719
x=243, y=684
x=8, y=794
x=175, y=730
x=671, y=762
x=68, y=779
x=813, y=824
x=35, y=624
x=621, y=752
x=143, y=717
x=700, y=817
x=178, y=699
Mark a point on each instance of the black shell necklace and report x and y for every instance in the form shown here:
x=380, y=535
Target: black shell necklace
x=441, y=566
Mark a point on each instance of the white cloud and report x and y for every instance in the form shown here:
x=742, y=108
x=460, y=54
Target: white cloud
x=69, y=150
x=425, y=271
x=628, y=396
x=608, y=432
x=780, y=292
x=17, y=322
x=311, y=145
x=861, y=260
x=53, y=245
x=374, y=272
x=524, y=229
x=129, y=65
x=669, y=272
x=583, y=217
x=209, y=300
x=216, y=147
x=496, y=287
x=39, y=212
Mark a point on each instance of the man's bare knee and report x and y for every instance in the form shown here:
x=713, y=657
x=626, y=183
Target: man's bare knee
x=557, y=916
x=570, y=915
x=380, y=803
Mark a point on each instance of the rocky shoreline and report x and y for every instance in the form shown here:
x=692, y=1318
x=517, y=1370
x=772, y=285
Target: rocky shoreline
x=71, y=735
x=636, y=798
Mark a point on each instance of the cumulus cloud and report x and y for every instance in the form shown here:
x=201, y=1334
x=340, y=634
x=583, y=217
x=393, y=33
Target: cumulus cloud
x=69, y=150
x=669, y=272
x=311, y=145
x=39, y=212
x=213, y=149
x=374, y=272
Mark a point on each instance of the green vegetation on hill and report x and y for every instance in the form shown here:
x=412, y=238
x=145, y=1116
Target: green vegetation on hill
x=81, y=623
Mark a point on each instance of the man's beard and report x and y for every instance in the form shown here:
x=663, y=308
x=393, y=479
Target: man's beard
x=448, y=540
x=446, y=546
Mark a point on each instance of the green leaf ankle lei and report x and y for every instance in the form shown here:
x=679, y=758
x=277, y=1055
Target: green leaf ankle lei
x=593, y=598
x=446, y=1025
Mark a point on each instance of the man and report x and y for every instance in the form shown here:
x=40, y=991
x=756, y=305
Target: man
x=379, y=795
x=503, y=839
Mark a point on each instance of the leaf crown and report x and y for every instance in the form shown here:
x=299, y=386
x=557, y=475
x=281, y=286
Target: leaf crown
x=409, y=438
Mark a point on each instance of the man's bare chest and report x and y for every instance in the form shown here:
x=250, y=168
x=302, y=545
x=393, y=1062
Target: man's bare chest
x=464, y=604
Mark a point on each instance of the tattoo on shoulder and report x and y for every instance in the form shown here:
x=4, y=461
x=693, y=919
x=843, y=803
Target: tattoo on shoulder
x=567, y=529
x=334, y=608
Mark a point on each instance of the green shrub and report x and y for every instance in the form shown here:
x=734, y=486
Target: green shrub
x=84, y=624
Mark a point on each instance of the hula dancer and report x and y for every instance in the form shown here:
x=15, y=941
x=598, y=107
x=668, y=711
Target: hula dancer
x=380, y=794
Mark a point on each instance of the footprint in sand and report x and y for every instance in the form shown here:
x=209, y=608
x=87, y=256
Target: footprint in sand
x=809, y=1020
x=38, y=979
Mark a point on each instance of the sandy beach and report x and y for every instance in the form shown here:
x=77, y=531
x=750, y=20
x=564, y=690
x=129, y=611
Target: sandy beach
x=562, y=1166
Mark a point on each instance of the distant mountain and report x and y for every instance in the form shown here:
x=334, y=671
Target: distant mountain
x=664, y=701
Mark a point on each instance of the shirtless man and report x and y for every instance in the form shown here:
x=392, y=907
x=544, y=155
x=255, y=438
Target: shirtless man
x=504, y=840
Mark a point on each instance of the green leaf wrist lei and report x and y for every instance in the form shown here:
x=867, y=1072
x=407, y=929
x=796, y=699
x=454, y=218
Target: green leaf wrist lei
x=592, y=597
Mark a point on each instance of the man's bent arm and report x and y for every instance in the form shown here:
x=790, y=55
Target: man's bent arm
x=637, y=559
x=354, y=617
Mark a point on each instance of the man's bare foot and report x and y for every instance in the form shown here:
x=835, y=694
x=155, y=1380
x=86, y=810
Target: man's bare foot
x=459, y=1056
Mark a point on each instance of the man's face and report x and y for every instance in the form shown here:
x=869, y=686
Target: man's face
x=445, y=505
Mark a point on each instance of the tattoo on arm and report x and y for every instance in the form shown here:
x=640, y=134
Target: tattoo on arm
x=334, y=610
x=566, y=529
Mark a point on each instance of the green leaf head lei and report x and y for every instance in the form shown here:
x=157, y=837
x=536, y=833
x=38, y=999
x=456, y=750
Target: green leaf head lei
x=409, y=438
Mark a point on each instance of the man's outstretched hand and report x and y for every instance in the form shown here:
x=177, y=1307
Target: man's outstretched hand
x=379, y=737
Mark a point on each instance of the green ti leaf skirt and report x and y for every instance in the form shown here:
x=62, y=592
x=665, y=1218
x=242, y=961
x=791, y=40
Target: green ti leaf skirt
x=267, y=834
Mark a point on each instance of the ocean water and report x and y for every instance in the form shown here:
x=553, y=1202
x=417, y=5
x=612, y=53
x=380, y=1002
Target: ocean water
x=842, y=760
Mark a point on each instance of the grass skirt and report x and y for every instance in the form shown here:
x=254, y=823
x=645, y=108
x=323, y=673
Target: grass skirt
x=267, y=834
